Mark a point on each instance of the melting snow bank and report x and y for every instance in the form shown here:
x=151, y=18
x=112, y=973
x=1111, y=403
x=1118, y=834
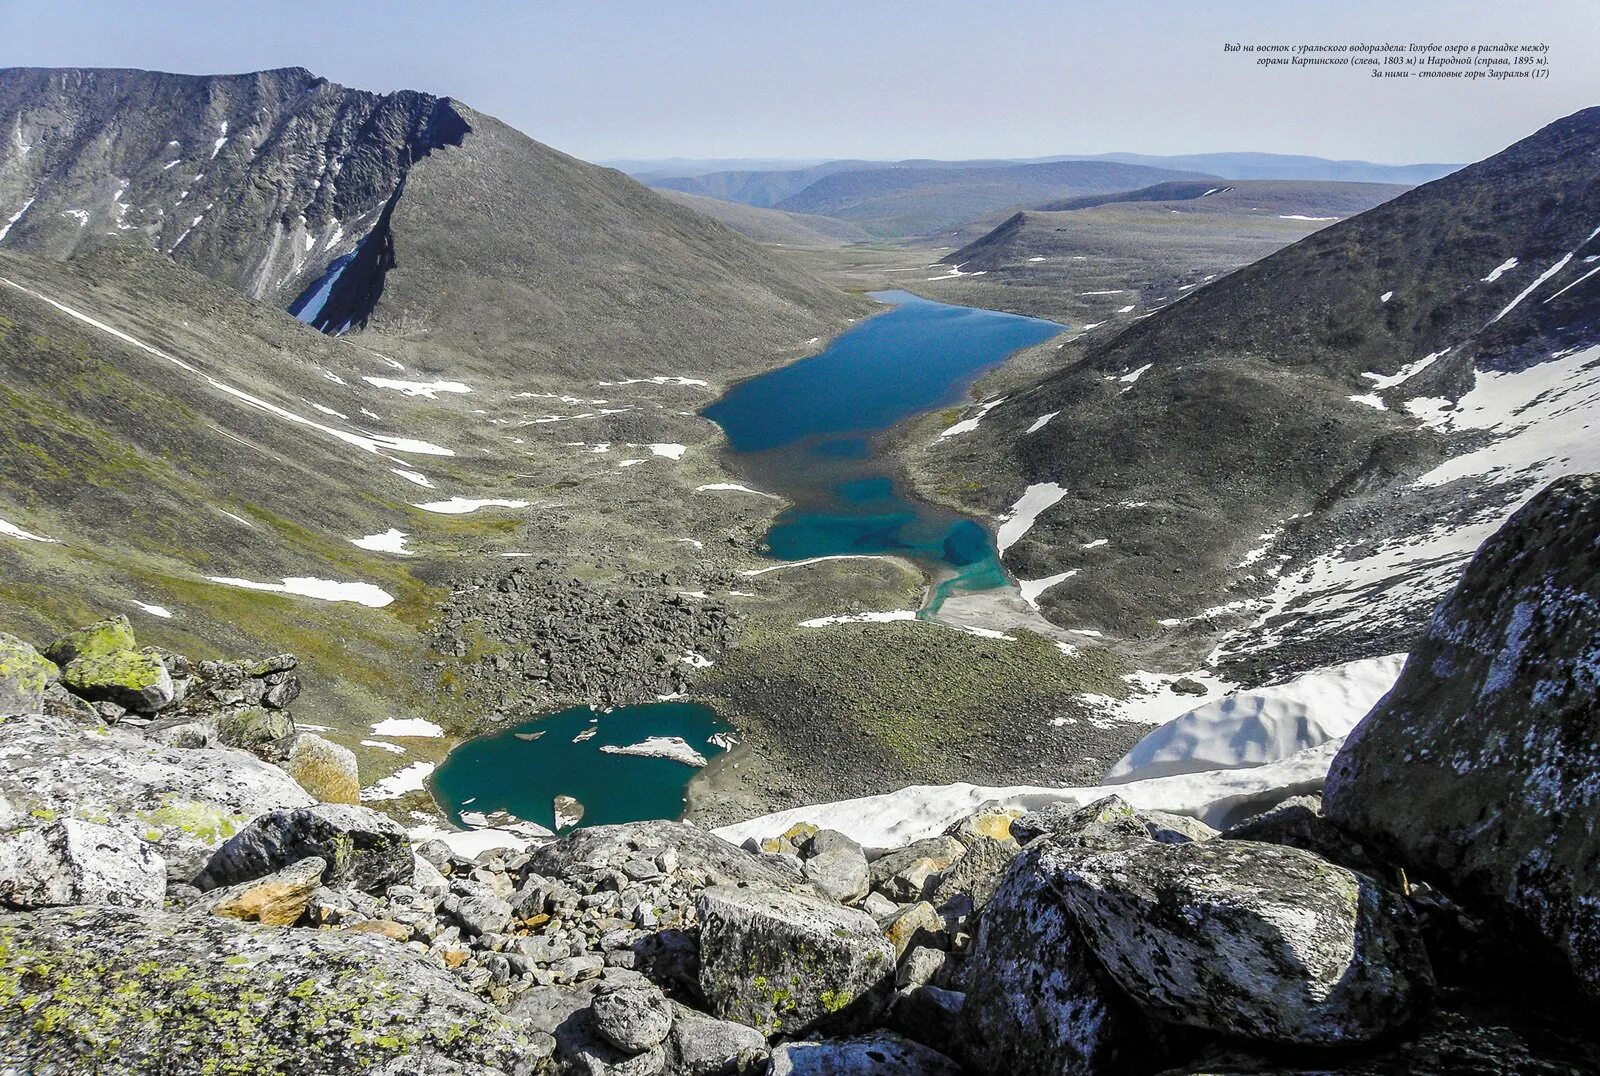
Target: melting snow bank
x=429, y=389
x=471, y=843
x=673, y=747
x=412, y=778
x=658, y=380
x=1016, y=523
x=407, y=726
x=1250, y=728
x=390, y=541
x=860, y=618
x=154, y=610
x=969, y=424
x=325, y=589
x=460, y=506
x=11, y=530
x=812, y=560
x=895, y=819
x=733, y=487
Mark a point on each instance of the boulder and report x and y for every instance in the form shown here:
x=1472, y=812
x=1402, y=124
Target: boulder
x=1038, y=1000
x=600, y=848
x=840, y=872
x=70, y=861
x=915, y=924
x=882, y=1053
x=633, y=1019
x=324, y=769
x=183, y=803
x=1108, y=822
x=363, y=849
x=137, y=681
x=930, y=1015
x=103, y=637
x=1259, y=941
x=907, y=874
x=700, y=1045
x=991, y=820
x=25, y=675
x=784, y=963
x=278, y=900
x=971, y=880
x=250, y=727
x=1478, y=769
x=476, y=908
x=142, y=990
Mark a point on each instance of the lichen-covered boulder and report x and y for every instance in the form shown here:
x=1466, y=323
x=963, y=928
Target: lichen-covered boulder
x=324, y=769
x=183, y=803
x=1478, y=769
x=70, y=861
x=1255, y=940
x=632, y=1018
x=143, y=991
x=362, y=848
x=784, y=963
x=1038, y=1000
x=135, y=680
x=700, y=1045
x=25, y=674
x=252, y=726
x=102, y=637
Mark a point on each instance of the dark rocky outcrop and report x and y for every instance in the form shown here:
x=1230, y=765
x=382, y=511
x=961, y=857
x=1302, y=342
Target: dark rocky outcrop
x=1478, y=769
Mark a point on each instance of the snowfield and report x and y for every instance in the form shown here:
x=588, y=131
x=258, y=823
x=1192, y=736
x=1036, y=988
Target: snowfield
x=327, y=590
x=390, y=541
x=427, y=389
x=1019, y=520
x=460, y=506
x=1250, y=728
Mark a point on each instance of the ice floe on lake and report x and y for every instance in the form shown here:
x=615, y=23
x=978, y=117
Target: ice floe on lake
x=673, y=747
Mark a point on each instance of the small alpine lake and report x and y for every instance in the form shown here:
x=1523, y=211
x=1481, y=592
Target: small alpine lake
x=808, y=432
x=521, y=769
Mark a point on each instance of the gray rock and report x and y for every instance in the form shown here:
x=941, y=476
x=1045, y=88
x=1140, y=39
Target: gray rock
x=1254, y=940
x=881, y=1053
x=608, y=847
x=184, y=803
x=25, y=676
x=975, y=876
x=141, y=990
x=906, y=874
x=785, y=962
x=363, y=849
x=1038, y=1000
x=70, y=861
x=914, y=924
x=189, y=735
x=919, y=966
x=840, y=872
x=700, y=1045
x=325, y=769
x=100, y=638
x=1108, y=822
x=1175, y=828
x=880, y=907
x=476, y=908
x=1478, y=768
x=633, y=1019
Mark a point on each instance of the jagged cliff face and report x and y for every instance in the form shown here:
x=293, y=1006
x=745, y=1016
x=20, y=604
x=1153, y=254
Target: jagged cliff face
x=257, y=180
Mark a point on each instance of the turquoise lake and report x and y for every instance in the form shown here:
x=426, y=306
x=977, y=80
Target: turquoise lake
x=504, y=771
x=807, y=431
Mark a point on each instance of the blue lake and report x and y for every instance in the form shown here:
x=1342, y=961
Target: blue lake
x=523, y=768
x=808, y=432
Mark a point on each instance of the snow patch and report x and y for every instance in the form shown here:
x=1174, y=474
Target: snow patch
x=1032, y=588
x=14, y=218
x=1500, y=270
x=154, y=610
x=323, y=589
x=460, y=506
x=428, y=389
x=11, y=530
x=1041, y=422
x=414, y=727
x=390, y=541
x=860, y=618
x=412, y=778
x=970, y=424
x=733, y=487
x=1017, y=522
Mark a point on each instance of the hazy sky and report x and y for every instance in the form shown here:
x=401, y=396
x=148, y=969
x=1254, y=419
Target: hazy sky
x=934, y=78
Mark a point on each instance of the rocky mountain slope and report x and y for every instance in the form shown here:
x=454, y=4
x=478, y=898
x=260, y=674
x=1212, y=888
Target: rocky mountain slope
x=1084, y=261
x=1308, y=448
x=771, y=225
x=211, y=896
x=263, y=181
